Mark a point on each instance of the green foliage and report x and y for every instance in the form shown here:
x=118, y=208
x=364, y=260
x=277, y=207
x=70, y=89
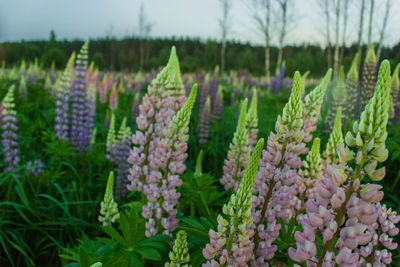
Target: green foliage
x=126, y=247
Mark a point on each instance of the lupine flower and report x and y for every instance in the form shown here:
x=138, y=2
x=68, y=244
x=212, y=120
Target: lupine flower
x=396, y=92
x=120, y=155
x=114, y=99
x=312, y=106
x=335, y=139
x=351, y=84
x=22, y=91
x=79, y=133
x=162, y=101
x=109, y=208
x=238, y=154
x=312, y=170
x=338, y=97
x=62, y=102
x=277, y=81
x=231, y=245
x=9, y=137
x=111, y=138
x=368, y=77
x=312, y=165
x=91, y=111
x=218, y=108
x=179, y=256
x=35, y=168
x=273, y=193
x=343, y=206
x=103, y=90
x=168, y=164
x=204, y=124
x=252, y=121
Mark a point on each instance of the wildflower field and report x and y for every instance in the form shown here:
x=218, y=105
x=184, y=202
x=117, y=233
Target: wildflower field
x=109, y=168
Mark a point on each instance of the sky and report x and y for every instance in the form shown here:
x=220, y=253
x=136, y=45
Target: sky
x=84, y=19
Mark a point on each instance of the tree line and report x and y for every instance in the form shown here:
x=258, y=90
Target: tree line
x=134, y=54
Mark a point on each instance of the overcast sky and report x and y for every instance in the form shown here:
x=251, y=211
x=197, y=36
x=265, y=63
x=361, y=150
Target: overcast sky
x=83, y=19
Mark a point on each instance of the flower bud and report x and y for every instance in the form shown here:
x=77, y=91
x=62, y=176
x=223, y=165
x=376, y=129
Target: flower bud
x=378, y=174
x=371, y=193
x=350, y=140
x=344, y=153
x=359, y=141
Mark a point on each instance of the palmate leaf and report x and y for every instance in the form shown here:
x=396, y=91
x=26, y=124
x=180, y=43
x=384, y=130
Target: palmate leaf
x=148, y=253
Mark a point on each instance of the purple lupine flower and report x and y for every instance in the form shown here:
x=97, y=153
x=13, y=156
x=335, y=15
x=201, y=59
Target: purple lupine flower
x=277, y=82
x=9, y=137
x=275, y=184
x=165, y=96
x=218, y=108
x=62, y=102
x=204, y=124
x=35, y=168
x=79, y=133
x=120, y=152
x=167, y=165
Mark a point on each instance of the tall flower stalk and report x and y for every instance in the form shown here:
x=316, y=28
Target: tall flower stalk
x=204, y=124
x=368, y=77
x=167, y=166
x=79, y=132
x=9, y=136
x=62, y=102
x=179, y=256
x=120, y=152
x=231, y=244
x=109, y=213
x=238, y=154
x=252, y=121
x=312, y=106
x=351, y=84
x=278, y=173
x=165, y=96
